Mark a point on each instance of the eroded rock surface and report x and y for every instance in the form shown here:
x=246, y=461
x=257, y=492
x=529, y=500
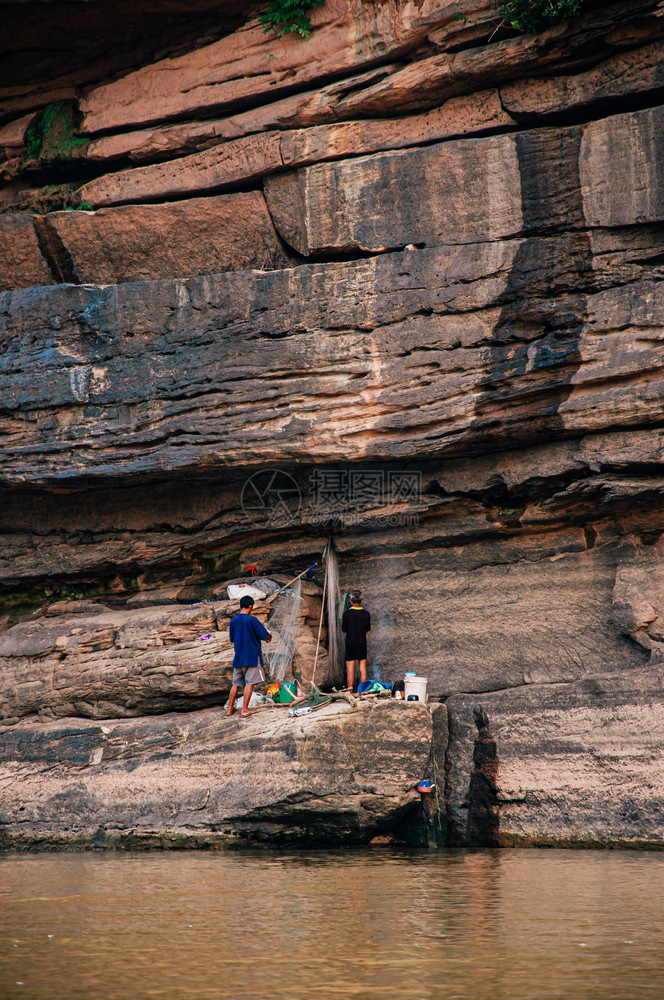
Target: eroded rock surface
x=438, y=254
x=405, y=356
x=511, y=185
x=113, y=664
x=638, y=599
x=624, y=74
x=20, y=255
x=576, y=764
x=227, y=233
x=230, y=232
x=348, y=36
x=255, y=156
x=104, y=664
x=200, y=779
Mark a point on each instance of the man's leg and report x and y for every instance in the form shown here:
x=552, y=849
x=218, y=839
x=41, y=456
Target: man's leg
x=363, y=670
x=231, y=700
x=246, y=699
x=350, y=674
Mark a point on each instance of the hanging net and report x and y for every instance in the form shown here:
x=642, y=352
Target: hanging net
x=335, y=639
x=284, y=624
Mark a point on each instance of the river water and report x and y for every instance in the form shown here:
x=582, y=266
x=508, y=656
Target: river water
x=370, y=924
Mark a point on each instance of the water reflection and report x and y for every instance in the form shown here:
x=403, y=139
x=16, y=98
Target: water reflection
x=530, y=925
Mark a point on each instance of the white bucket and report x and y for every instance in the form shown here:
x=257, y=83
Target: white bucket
x=416, y=686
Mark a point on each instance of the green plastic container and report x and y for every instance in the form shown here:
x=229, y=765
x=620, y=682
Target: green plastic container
x=287, y=692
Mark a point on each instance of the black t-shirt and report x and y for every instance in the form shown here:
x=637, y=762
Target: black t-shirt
x=356, y=622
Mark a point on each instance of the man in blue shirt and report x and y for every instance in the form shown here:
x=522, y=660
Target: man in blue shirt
x=246, y=632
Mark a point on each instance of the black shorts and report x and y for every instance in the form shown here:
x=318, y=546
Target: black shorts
x=356, y=652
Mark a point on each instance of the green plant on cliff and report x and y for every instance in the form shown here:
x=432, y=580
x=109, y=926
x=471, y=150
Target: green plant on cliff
x=85, y=206
x=289, y=15
x=33, y=140
x=51, y=137
x=535, y=15
x=48, y=198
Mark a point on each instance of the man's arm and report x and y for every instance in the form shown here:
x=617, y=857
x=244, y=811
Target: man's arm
x=262, y=632
x=368, y=622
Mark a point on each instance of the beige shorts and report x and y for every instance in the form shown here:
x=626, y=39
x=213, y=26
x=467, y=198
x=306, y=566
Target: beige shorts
x=247, y=675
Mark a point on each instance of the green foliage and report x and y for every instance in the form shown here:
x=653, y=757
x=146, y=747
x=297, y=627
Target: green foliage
x=534, y=15
x=289, y=15
x=51, y=136
x=510, y=516
x=33, y=140
x=49, y=198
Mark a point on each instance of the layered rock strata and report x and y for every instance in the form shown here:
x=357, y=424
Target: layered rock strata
x=199, y=779
x=512, y=185
x=576, y=764
x=410, y=356
x=195, y=237
x=416, y=265
x=104, y=663
x=351, y=36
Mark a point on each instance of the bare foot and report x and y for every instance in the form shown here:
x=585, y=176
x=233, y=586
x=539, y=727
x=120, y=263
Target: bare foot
x=245, y=715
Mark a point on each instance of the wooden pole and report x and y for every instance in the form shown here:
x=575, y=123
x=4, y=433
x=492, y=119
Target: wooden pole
x=322, y=610
x=271, y=597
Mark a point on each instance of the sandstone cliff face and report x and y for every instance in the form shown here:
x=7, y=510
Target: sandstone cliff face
x=575, y=764
x=198, y=779
x=417, y=266
x=101, y=663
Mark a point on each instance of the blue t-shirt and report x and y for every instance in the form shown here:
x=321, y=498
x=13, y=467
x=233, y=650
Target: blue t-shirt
x=246, y=632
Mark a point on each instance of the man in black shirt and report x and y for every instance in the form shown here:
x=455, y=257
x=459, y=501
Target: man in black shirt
x=356, y=622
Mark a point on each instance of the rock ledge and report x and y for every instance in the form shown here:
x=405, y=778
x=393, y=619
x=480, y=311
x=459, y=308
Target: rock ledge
x=340, y=775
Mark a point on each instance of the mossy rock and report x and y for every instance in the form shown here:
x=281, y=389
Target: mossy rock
x=50, y=198
x=52, y=139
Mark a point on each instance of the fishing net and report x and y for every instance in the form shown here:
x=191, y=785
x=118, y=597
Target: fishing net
x=335, y=639
x=313, y=699
x=284, y=624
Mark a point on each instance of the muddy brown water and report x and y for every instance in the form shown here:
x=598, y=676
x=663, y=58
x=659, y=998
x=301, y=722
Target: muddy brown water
x=370, y=924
